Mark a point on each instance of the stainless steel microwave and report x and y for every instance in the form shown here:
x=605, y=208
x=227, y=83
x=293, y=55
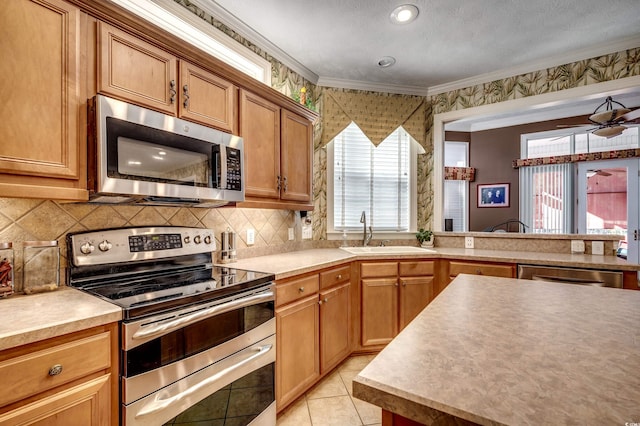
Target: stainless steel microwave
x=141, y=156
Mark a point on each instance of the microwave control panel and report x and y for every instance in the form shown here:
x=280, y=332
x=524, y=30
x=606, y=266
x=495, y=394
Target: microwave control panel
x=234, y=170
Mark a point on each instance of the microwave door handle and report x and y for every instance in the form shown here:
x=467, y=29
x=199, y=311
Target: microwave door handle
x=165, y=327
x=160, y=404
x=223, y=167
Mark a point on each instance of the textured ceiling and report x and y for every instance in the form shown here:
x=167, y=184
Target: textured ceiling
x=451, y=40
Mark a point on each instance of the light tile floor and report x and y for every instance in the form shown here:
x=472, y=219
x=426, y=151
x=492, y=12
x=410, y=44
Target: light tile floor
x=330, y=403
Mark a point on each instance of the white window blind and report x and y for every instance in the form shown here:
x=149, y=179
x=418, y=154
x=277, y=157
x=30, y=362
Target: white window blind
x=546, y=198
x=455, y=191
x=372, y=179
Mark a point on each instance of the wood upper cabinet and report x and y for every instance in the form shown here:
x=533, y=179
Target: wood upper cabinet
x=260, y=130
x=132, y=69
x=207, y=99
x=278, y=151
x=42, y=99
x=296, y=153
x=67, y=380
x=141, y=73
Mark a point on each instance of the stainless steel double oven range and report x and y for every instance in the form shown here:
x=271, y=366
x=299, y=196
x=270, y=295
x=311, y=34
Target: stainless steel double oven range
x=197, y=341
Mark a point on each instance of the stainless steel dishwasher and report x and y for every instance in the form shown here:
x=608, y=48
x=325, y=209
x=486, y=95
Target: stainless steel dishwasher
x=591, y=277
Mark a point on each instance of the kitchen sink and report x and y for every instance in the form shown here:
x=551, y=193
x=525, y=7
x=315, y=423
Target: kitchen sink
x=388, y=250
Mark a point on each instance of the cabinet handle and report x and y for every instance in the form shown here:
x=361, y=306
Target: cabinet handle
x=55, y=370
x=284, y=185
x=301, y=289
x=172, y=91
x=185, y=93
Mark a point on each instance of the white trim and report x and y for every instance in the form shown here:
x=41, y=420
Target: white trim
x=180, y=22
x=224, y=16
x=554, y=61
x=372, y=87
x=591, y=91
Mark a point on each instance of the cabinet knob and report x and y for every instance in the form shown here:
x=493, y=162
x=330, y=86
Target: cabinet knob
x=301, y=289
x=55, y=370
x=404, y=284
x=396, y=284
x=478, y=271
x=326, y=299
x=339, y=277
x=319, y=302
x=185, y=93
x=172, y=91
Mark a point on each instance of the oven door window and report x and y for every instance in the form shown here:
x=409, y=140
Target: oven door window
x=195, y=338
x=139, y=152
x=236, y=404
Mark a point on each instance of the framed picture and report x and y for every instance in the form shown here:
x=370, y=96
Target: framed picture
x=493, y=195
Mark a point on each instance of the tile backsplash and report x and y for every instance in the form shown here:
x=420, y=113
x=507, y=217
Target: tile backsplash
x=40, y=220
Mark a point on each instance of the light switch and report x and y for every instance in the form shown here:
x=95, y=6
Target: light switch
x=251, y=236
x=307, y=232
x=292, y=235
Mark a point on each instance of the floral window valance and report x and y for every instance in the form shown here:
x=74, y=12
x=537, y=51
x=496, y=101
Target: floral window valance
x=460, y=173
x=574, y=158
x=376, y=114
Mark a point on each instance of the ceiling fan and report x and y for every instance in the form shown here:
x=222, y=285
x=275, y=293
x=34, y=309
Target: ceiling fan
x=610, y=119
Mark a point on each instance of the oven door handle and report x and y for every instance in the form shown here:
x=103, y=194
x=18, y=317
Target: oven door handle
x=164, y=327
x=160, y=404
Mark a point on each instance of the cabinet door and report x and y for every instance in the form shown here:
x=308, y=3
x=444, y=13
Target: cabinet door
x=41, y=76
x=379, y=310
x=297, y=351
x=335, y=326
x=135, y=70
x=87, y=404
x=296, y=157
x=260, y=129
x=415, y=295
x=207, y=99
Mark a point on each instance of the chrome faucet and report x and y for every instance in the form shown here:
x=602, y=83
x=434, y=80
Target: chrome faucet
x=366, y=236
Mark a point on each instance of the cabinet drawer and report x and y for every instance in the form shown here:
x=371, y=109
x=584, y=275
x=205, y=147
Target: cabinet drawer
x=292, y=290
x=381, y=269
x=30, y=374
x=456, y=268
x=335, y=276
x=413, y=269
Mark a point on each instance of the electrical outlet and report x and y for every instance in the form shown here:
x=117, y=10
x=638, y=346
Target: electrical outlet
x=307, y=232
x=597, y=247
x=251, y=236
x=577, y=246
x=292, y=235
x=468, y=242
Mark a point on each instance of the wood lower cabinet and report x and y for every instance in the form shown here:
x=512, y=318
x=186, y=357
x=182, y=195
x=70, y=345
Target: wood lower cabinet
x=43, y=92
x=68, y=380
x=392, y=294
x=278, y=151
x=297, y=349
x=313, y=322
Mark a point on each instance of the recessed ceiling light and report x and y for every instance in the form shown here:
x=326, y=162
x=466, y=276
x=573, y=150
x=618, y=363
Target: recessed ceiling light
x=404, y=14
x=386, y=61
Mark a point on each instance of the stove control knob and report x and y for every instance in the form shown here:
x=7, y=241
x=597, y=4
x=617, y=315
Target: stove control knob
x=105, y=246
x=197, y=239
x=207, y=239
x=187, y=239
x=87, y=248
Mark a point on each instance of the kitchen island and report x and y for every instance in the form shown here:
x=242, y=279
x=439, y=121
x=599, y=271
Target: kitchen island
x=516, y=352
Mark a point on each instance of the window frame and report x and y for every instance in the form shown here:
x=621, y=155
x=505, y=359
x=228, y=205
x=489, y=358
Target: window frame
x=332, y=234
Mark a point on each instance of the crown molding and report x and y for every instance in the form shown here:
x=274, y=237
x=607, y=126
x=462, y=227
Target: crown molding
x=372, y=87
x=223, y=15
x=554, y=61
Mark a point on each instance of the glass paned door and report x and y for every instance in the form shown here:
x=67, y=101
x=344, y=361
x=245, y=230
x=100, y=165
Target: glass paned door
x=608, y=193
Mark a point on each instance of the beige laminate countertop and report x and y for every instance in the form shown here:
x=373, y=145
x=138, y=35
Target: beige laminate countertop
x=284, y=265
x=27, y=319
x=514, y=352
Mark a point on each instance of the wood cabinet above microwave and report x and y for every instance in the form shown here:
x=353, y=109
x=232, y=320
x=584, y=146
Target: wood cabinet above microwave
x=139, y=72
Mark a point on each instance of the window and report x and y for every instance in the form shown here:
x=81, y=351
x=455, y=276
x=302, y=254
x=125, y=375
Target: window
x=377, y=180
x=456, y=154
